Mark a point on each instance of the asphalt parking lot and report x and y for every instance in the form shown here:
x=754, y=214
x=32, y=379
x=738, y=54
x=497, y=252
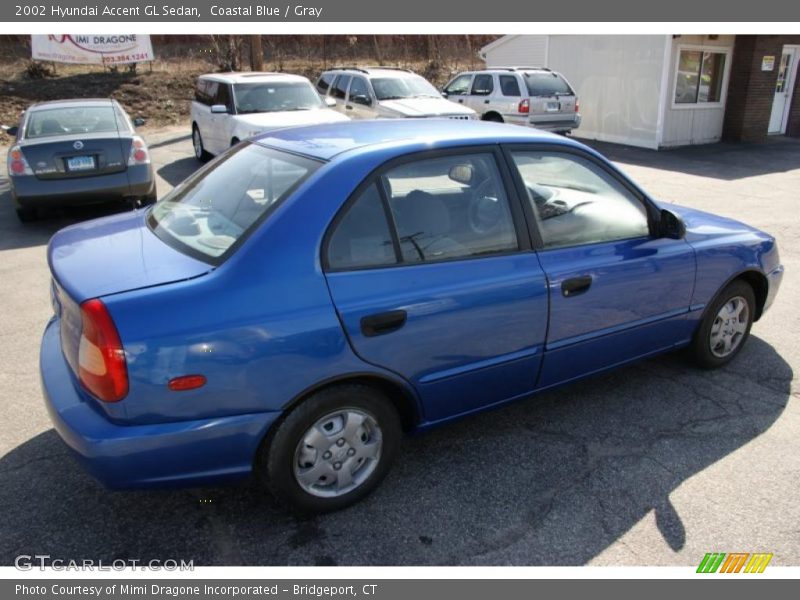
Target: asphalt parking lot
x=655, y=464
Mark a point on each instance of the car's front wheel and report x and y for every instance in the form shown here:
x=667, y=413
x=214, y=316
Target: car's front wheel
x=199, y=149
x=331, y=450
x=725, y=326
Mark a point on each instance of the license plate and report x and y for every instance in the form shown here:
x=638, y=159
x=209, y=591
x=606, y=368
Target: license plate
x=80, y=163
x=553, y=106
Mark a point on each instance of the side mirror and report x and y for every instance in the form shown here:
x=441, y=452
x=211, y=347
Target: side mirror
x=219, y=109
x=330, y=102
x=139, y=122
x=444, y=94
x=670, y=225
x=12, y=131
x=363, y=100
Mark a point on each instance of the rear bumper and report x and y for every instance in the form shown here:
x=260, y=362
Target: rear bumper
x=135, y=182
x=567, y=124
x=201, y=452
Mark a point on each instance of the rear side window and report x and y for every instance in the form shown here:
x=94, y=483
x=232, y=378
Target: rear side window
x=547, y=84
x=324, y=83
x=362, y=238
x=201, y=92
x=221, y=203
x=509, y=86
x=483, y=85
x=339, y=89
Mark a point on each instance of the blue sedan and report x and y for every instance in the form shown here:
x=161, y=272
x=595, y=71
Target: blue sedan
x=300, y=302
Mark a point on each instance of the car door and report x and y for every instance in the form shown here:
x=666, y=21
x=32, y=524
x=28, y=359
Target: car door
x=617, y=291
x=433, y=278
x=360, y=101
x=201, y=111
x=480, y=93
x=222, y=122
x=458, y=89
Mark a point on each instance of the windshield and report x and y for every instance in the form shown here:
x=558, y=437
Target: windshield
x=61, y=121
x=546, y=84
x=395, y=88
x=206, y=214
x=275, y=97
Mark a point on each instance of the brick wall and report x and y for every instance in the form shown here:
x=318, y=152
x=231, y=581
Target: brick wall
x=751, y=90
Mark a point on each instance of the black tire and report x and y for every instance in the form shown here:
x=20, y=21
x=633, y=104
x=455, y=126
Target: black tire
x=493, y=118
x=27, y=215
x=197, y=143
x=234, y=141
x=700, y=351
x=275, y=463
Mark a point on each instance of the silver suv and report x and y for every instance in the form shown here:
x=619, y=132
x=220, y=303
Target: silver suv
x=385, y=92
x=533, y=96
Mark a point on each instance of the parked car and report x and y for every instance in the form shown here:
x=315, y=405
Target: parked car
x=229, y=107
x=294, y=306
x=385, y=92
x=71, y=152
x=532, y=96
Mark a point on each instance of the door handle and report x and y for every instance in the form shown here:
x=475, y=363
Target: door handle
x=460, y=101
x=575, y=285
x=486, y=102
x=381, y=323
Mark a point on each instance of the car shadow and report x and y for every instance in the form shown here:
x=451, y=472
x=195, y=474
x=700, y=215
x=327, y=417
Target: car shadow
x=175, y=172
x=724, y=160
x=554, y=480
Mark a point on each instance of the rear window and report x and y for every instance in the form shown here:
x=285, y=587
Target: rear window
x=222, y=203
x=547, y=84
x=78, y=119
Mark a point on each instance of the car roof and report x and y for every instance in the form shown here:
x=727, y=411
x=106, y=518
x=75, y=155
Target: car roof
x=252, y=77
x=71, y=102
x=325, y=142
x=383, y=71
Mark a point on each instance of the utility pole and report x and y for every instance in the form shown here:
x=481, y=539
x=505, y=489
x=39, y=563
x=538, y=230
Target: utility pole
x=256, y=54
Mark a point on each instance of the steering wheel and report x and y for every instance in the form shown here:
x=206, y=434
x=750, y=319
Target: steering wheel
x=485, y=212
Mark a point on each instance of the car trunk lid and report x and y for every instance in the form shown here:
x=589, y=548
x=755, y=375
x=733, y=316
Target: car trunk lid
x=62, y=157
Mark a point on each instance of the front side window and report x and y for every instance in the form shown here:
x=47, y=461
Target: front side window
x=450, y=207
x=223, y=96
x=483, y=85
x=577, y=202
x=275, y=97
x=359, y=92
x=459, y=86
x=78, y=119
x=221, y=203
x=699, y=77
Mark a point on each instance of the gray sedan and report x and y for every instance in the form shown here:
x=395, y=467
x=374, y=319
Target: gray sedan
x=71, y=152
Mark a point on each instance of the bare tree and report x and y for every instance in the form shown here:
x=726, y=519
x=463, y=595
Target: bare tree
x=256, y=54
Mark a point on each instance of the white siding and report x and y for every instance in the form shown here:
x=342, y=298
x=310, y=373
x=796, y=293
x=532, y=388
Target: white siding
x=618, y=80
x=694, y=124
x=518, y=50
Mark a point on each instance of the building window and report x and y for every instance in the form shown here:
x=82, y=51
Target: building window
x=700, y=76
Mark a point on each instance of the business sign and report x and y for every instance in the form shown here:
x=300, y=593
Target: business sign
x=92, y=49
x=768, y=63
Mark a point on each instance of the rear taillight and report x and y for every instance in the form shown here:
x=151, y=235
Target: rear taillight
x=139, y=154
x=17, y=165
x=102, y=368
x=524, y=106
x=577, y=105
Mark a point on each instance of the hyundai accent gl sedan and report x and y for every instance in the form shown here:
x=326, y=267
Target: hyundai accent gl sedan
x=297, y=304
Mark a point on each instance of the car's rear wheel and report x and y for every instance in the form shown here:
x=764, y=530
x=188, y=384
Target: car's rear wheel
x=26, y=215
x=331, y=450
x=493, y=118
x=725, y=326
x=199, y=150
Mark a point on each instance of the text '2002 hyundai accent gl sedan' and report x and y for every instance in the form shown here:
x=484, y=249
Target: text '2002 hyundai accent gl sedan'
x=295, y=305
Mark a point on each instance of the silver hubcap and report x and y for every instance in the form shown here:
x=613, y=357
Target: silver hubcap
x=729, y=327
x=198, y=145
x=338, y=453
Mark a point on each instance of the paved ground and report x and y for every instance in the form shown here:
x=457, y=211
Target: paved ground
x=655, y=464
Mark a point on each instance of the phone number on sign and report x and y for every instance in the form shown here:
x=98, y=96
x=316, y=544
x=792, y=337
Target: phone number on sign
x=127, y=58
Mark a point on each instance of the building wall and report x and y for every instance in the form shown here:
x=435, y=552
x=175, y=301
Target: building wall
x=695, y=123
x=518, y=50
x=752, y=90
x=618, y=80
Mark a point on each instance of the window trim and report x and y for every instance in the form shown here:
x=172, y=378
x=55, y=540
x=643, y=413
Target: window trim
x=515, y=204
x=652, y=211
x=726, y=71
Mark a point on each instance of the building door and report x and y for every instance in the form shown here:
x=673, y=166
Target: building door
x=781, y=102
